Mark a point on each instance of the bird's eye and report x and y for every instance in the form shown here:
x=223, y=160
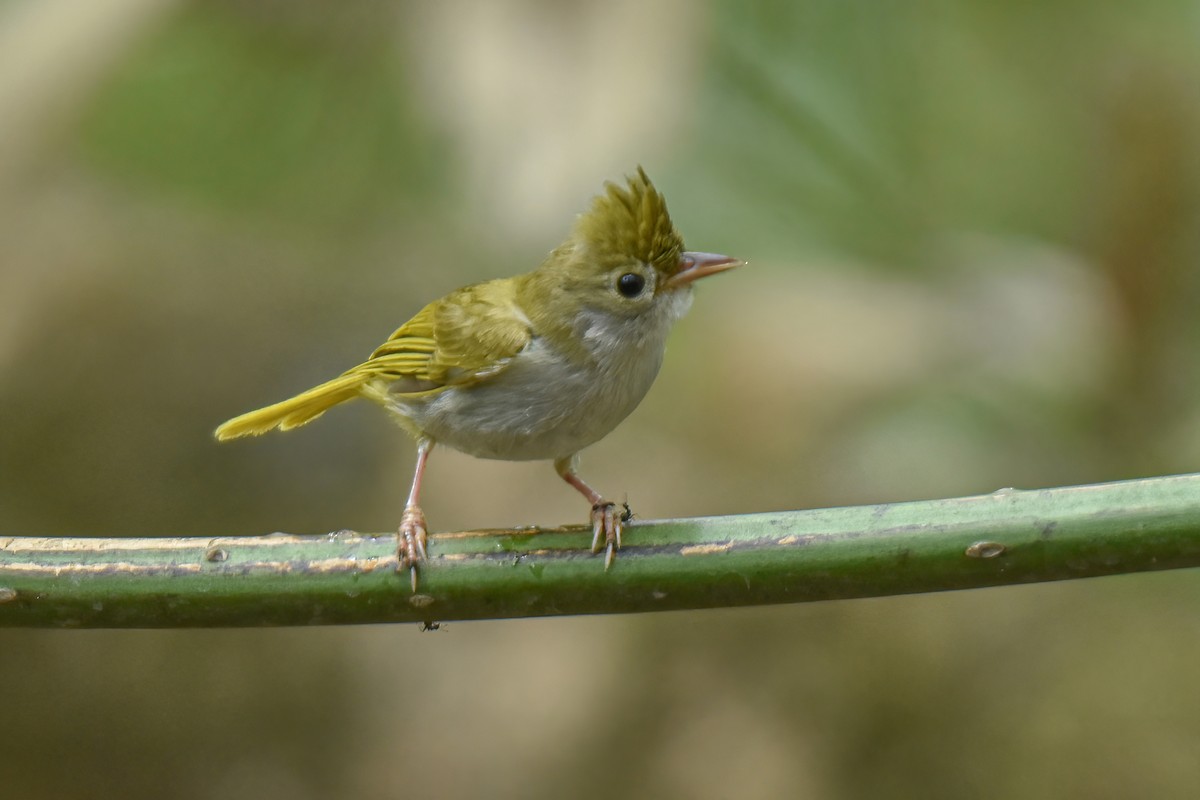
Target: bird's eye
x=630, y=284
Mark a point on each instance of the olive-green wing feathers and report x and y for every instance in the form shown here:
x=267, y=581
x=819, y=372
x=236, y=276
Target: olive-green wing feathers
x=465, y=337
x=468, y=336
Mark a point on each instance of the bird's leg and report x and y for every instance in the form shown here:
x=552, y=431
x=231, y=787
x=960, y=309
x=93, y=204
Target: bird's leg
x=606, y=520
x=411, y=545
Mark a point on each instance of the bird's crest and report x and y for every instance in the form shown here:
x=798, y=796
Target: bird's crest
x=632, y=221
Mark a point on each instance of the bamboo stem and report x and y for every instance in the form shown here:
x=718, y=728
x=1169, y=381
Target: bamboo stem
x=1008, y=537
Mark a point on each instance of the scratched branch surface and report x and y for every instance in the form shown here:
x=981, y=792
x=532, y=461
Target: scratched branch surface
x=1007, y=537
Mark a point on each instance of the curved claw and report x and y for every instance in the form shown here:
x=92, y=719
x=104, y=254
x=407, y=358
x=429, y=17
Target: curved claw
x=607, y=522
x=411, y=545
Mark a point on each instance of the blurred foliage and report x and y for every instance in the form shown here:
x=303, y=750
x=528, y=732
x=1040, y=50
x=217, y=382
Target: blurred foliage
x=973, y=234
x=256, y=113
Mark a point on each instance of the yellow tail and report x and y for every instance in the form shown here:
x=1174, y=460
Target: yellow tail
x=296, y=411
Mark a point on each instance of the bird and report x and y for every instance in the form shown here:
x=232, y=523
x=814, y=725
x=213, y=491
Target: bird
x=533, y=367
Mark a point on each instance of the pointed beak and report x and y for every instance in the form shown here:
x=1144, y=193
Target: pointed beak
x=697, y=265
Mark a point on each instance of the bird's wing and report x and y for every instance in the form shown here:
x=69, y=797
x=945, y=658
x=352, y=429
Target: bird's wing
x=470, y=335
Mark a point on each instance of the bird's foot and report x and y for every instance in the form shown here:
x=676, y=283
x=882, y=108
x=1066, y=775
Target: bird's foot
x=411, y=544
x=608, y=520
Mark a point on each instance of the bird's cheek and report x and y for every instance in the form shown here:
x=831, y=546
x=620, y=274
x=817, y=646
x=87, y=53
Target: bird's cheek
x=679, y=301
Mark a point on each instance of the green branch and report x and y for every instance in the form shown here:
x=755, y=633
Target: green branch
x=863, y=551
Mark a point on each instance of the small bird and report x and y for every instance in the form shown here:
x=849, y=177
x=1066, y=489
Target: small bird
x=532, y=367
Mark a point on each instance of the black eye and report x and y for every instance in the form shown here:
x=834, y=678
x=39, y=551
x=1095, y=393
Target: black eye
x=631, y=284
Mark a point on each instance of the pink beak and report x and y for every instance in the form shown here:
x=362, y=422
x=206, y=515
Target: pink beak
x=697, y=265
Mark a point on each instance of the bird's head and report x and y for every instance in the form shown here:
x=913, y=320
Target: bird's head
x=624, y=255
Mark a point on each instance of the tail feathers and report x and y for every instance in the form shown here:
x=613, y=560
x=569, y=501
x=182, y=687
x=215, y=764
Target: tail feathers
x=294, y=412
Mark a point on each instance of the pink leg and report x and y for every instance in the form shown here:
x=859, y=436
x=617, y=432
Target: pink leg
x=606, y=521
x=412, y=523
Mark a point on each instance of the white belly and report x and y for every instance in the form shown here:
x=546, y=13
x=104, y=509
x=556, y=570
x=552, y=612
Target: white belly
x=540, y=407
x=543, y=406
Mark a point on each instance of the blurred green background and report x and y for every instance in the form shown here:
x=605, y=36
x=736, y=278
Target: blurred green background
x=974, y=231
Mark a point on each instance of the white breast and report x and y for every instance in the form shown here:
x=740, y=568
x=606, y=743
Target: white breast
x=544, y=406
